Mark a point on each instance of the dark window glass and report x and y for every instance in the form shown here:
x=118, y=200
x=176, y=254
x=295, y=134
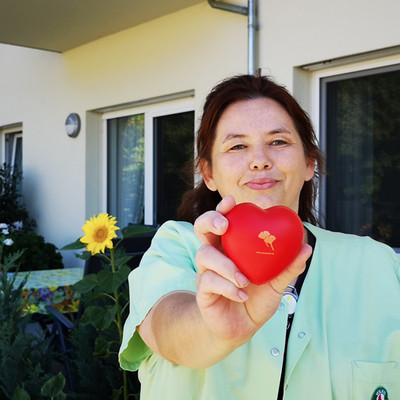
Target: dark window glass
x=362, y=144
x=173, y=146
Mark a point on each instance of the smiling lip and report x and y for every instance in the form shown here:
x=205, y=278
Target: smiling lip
x=261, y=184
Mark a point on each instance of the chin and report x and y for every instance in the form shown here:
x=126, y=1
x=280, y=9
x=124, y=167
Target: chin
x=267, y=203
x=263, y=203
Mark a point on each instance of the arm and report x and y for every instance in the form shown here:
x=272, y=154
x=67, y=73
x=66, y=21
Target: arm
x=199, y=330
x=175, y=329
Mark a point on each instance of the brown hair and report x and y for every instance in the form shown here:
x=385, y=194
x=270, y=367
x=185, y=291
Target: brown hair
x=246, y=87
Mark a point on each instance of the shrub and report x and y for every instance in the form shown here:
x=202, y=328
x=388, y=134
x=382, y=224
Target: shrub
x=12, y=208
x=25, y=370
x=38, y=253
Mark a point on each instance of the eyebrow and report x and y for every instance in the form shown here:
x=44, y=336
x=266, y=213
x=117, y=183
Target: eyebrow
x=232, y=136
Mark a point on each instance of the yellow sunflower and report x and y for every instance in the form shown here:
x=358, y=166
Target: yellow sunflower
x=99, y=232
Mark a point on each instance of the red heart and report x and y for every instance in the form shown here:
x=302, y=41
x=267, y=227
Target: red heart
x=262, y=243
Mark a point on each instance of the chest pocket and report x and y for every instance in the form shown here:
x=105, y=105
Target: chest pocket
x=373, y=379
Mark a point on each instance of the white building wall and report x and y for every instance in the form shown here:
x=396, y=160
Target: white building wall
x=188, y=50
x=295, y=33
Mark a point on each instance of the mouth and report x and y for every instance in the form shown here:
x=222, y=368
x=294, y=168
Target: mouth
x=261, y=183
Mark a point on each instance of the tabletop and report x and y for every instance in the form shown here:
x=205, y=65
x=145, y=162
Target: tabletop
x=52, y=287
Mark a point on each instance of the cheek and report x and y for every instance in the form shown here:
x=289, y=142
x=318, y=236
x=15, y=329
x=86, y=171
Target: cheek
x=226, y=176
x=226, y=167
x=298, y=164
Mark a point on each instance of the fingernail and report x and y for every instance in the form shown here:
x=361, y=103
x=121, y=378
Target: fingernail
x=241, y=279
x=243, y=295
x=220, y=223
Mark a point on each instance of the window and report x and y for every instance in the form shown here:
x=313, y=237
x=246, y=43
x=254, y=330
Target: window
x=173, y=150
x=147, y=151
x=12, y=147
x=125, y=167
x=360, y=134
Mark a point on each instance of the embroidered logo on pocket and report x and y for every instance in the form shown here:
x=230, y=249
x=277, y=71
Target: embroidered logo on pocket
x=380, y=393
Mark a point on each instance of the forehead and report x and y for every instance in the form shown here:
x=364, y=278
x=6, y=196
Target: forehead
x=258, y=114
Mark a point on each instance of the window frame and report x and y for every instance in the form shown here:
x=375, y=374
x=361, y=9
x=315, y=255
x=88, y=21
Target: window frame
x=16, y=131
x=318, y=101
x=16, y=136
x=150, y=111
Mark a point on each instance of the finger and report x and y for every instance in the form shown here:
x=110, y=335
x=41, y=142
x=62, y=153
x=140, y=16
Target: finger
x=280, y=283
x=209, y=258
x=212, y=286
x=212, y=224
x=226, y=204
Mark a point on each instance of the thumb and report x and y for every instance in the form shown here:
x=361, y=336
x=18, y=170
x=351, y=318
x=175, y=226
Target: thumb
x=280, y=283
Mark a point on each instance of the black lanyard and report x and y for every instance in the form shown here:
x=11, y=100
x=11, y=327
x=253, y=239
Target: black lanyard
x=298, y=286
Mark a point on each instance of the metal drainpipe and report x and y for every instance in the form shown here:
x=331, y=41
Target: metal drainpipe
x=250, y=11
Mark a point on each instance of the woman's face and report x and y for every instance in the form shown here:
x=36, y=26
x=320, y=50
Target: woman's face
x=258, y=156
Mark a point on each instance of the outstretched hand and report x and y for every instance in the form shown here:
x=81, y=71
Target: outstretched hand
x=232, y=307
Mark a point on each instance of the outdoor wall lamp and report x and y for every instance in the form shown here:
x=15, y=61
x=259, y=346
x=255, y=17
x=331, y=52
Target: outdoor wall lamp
x=73, y=125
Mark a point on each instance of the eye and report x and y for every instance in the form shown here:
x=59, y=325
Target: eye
x=238, y=147
x=278, y=142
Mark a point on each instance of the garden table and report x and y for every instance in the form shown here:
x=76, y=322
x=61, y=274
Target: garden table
x=50, y=287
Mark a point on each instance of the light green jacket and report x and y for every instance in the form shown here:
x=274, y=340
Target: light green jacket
x=345, y=337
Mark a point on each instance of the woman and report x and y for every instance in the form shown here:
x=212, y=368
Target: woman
x=198, y=329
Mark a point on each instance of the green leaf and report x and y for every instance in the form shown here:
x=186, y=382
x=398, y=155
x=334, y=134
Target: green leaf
x=86, y=284
x=96, y=295
x=102, y=347
x=54, y=386
x=77, y=245
x=101, y=318
x=12, y=260
x=124, y=272
x=84, y=255
x=110, y=281
x=125, y=294
x=116, y=393
x=122, y=260
x=136, y=230
x=21, y=394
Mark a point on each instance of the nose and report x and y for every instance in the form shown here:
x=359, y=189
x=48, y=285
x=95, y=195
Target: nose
x=260, y=166
x=260, y=160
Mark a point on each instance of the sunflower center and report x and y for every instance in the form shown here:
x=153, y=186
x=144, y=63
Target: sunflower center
x=101, y=234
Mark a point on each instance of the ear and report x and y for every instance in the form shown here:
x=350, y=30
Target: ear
x=310, y=169
x=206, y=172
